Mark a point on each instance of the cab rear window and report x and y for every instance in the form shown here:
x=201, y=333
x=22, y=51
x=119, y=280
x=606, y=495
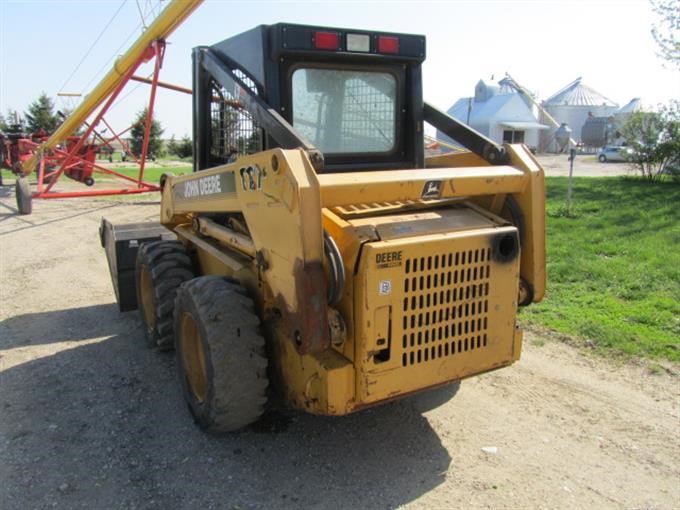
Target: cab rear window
x=345, y=111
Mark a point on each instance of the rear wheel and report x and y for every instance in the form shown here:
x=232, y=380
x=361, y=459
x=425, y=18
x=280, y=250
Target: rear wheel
x=162, y=266
x=23, y=196
x=220, y=354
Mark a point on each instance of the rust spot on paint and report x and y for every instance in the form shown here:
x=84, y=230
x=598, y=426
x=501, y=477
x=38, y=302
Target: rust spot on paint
x=307, y=322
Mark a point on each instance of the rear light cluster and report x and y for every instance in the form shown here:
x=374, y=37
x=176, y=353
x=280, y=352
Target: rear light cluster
x=346, y=43
x=326, y=40
x=360, y=43
x=388, y=44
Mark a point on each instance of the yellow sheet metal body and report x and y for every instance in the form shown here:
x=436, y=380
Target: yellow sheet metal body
x=428, y=299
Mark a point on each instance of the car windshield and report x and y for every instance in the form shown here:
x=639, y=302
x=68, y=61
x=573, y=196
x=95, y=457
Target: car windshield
x=343, y=111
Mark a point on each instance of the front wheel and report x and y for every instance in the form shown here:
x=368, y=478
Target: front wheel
x=220, y=354
x=602, y=158
x=162, y=266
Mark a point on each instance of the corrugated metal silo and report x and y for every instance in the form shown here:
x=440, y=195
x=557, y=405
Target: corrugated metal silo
x=574, y=104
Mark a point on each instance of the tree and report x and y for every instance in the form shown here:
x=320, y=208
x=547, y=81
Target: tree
x=666, y=33
x=655, y=140
x=137, y=135
x=40, y=115
x=11, y=121
x=185, y=148
x=171, y=146
x=182, y=149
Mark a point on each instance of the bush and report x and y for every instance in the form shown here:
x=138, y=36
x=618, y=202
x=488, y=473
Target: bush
x=655, y=140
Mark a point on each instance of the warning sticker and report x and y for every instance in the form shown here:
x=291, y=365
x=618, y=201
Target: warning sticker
x=385, y=287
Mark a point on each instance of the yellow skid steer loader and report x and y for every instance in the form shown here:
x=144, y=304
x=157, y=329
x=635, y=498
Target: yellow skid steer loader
x=315, y=253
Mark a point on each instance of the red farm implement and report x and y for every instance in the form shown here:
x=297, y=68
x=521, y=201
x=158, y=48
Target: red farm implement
x=19, y=147
x=67, y=153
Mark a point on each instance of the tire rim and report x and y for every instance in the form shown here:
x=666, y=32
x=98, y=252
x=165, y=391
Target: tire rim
x=148, y=305
x=193, y=357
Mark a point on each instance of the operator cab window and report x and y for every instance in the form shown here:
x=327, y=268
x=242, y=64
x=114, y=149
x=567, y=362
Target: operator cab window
x=346, y=111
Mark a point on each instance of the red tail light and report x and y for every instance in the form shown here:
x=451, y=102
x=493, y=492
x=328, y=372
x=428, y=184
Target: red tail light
x=326, y=40
x=388, y=44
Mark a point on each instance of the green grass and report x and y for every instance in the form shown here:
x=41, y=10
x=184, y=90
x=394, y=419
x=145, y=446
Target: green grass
x=7, y=177
x=614, y=266
x=613, y=263
x=152, y=173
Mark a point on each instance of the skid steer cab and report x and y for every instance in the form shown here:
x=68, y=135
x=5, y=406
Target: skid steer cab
x=317, y=256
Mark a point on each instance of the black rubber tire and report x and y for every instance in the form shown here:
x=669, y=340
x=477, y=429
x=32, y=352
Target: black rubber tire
x=162, y=266
x=513, y=212
x=431, y=399
x=89, y=181
x=22, y=190
x=231, y=393
x=602, y=158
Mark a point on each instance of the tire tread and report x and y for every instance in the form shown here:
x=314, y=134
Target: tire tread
x=238, y=363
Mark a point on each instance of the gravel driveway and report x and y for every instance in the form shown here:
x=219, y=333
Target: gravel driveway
x=91, y=418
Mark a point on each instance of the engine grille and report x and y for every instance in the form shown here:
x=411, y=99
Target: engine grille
x=445, y=305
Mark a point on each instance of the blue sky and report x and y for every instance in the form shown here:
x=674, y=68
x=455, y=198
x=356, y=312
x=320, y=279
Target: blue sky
x=543, y=44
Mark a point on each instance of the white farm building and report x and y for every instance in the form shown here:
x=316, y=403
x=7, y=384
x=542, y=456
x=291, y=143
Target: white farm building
x=499, y=113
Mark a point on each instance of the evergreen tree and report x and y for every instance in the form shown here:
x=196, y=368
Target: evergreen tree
x=40, y=115
x=171, y=146
x=3, y=123
x=137, y=135
x=185, y=148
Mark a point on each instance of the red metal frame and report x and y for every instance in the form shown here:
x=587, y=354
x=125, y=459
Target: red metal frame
x=77, y=158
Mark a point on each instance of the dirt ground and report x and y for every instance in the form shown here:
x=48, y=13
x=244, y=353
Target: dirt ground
x=91, y=418
x=585, y=165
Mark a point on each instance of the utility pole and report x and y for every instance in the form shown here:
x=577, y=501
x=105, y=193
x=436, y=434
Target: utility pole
x=572, y=157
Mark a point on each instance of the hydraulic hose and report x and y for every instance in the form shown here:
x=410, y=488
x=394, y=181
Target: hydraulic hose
x=336, y=283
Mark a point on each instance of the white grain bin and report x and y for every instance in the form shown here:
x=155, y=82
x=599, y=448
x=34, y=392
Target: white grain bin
x=573, y=105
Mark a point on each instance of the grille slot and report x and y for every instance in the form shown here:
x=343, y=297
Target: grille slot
x=445, y=305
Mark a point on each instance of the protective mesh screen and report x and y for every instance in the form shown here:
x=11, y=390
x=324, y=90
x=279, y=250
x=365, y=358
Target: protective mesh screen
x=343, y=111
x=233, y=131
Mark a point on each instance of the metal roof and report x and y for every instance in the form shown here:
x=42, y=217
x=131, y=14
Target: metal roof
x=480, y=112
x=578, y=94
x=524, y=125
x=634, y=105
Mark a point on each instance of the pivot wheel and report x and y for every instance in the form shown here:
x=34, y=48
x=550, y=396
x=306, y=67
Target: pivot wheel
x=24, y=197
x=162, y=266
x=220, y=354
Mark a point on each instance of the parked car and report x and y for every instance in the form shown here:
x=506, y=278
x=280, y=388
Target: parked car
x=614, y=153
